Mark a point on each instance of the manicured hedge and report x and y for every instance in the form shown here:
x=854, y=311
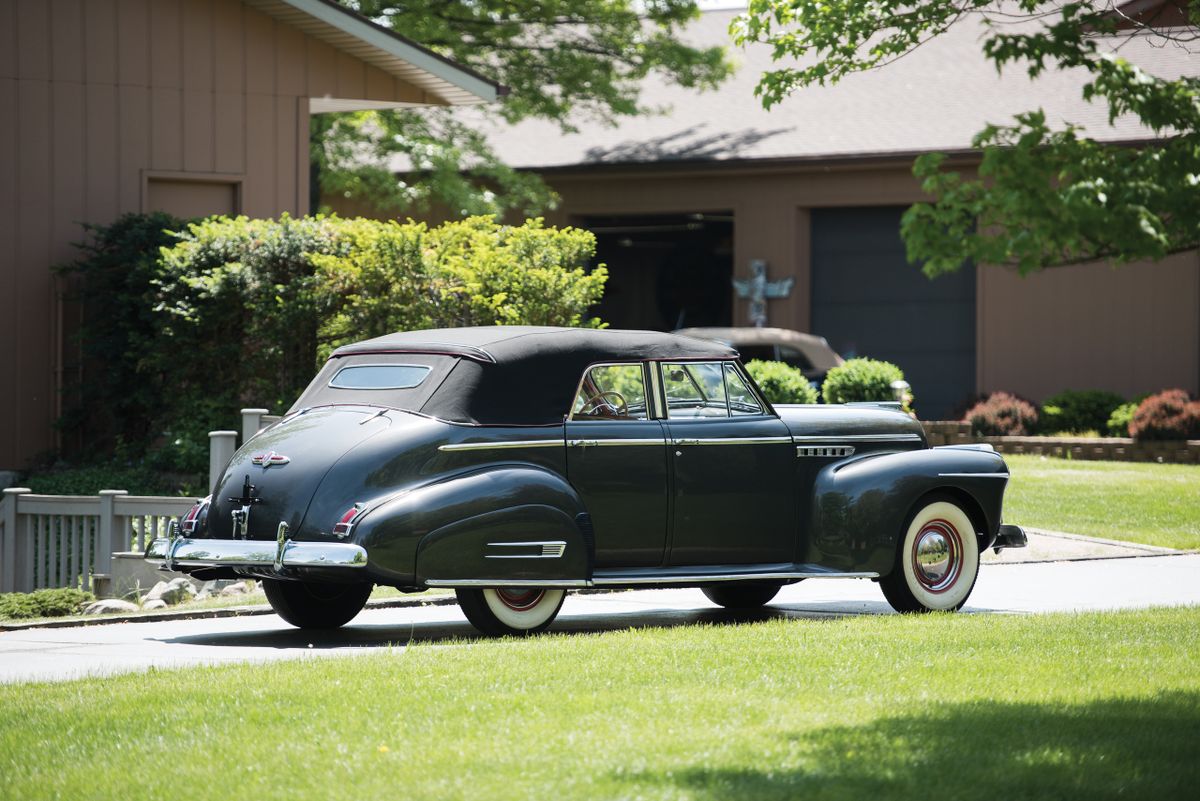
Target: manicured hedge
x=224, y=313
x=781, y=383
x=1003, y=415
x=861, y=380
x=1078, y=411
x=1169, y=415
x=43, y=603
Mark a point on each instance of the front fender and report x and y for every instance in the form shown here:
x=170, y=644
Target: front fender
x=442, y=530
x=860, y=506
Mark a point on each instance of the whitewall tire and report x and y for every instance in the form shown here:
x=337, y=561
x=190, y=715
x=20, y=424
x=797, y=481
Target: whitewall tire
x=515, y=611
x=937, y=561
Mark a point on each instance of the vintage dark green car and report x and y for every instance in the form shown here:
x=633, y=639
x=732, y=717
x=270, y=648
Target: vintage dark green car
x=515, y=463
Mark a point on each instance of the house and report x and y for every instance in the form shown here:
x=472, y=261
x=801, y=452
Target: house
x=187, y=106
x=683, y=202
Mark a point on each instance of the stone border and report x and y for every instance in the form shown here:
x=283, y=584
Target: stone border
x=1113, y=449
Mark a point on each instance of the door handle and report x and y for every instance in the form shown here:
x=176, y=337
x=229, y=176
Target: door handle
x=583, y=443
x=686, y=442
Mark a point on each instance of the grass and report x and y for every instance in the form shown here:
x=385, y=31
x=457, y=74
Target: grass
x=1154, y=504
x=1094, y=706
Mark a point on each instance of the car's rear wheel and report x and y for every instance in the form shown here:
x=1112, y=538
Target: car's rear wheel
x=511, y=611
x=937, y=561
x=741, y=596
x=316, y=605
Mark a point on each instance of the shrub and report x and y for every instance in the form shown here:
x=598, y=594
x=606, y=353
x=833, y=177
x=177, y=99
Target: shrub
x=238, y=312
x=781, y=383
x=43, y=603
x=1002, y=415
x=861, y=380
x=90, y=479
x=1076, y=411
x=1121, y=417
x=1170, y=415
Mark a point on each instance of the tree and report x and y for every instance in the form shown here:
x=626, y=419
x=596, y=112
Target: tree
x=568, y=61
x=1041, y=197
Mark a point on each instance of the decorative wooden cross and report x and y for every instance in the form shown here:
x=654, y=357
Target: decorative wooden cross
x=758, y=289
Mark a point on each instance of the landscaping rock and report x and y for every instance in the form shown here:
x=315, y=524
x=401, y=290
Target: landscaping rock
x=172, y=592
x=236, y=589
x=156, y=604
x=109, y=606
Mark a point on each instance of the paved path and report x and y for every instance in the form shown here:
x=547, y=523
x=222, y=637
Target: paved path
x=64, y=653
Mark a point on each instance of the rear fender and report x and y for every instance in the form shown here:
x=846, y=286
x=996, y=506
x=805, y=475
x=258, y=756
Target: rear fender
x=443, y=530
x=860, y=506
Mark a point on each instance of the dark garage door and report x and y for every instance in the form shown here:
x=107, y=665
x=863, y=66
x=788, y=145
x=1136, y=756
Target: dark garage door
x=867, y=300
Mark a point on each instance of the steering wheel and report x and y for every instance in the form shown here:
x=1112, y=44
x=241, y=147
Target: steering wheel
x=594, y=404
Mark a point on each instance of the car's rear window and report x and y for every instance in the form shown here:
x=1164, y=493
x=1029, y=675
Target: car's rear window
x=379, y=376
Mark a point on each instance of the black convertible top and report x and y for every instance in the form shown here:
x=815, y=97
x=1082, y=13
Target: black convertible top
x=519, y=375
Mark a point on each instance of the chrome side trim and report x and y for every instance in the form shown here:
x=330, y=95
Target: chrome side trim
x=549, y=583
x=614, y=443
x=732, y=440
x=909, y=437
x=705, y=577
x=487, y=446
x=974, y=475
x=970, y=446
x=184, y=552
x=825, y=450
x=549, y=549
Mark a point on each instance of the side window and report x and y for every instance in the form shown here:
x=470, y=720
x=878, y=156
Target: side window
x=741, y=399
x=612, y=392
x=694, y=389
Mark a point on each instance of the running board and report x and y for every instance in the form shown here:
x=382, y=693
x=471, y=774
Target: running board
x=688, y=575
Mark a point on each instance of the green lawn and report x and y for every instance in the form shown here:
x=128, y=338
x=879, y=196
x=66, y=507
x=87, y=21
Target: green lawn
x=1155, y=504
x=1095, y=706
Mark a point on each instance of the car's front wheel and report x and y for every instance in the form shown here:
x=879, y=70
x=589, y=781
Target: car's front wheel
x=937, y=561
x=517, y=612
x=741, y=596
x=316, y=605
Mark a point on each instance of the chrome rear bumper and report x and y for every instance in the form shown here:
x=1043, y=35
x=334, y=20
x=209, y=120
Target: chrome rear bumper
x=183, y=552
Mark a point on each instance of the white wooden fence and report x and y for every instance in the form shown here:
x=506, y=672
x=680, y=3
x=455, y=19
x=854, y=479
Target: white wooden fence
x=67, y=540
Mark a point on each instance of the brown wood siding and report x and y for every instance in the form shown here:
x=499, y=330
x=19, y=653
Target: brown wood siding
x=102, y=92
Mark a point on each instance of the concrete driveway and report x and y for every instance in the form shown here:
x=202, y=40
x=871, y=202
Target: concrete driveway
x=56, y=654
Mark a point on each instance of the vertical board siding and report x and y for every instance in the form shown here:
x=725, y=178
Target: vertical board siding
x=33, y=40
x=98, y=40
x=66, y=46
x=166, y=35
x=103, y=149
x=8, y=39
x=133, y=43
x=101, y=92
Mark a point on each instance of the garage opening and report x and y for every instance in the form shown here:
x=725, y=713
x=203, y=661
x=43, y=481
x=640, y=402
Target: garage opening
x=666, y=271
x=867, y=300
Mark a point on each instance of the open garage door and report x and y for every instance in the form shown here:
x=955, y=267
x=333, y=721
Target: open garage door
x=867, y=300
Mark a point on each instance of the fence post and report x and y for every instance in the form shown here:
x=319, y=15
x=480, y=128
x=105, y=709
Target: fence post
x=8, y=539
x=221, y=445
x=102, y=558
x=251, y=422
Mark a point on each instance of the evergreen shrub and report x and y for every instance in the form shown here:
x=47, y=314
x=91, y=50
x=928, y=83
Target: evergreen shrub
x=1077, y=411
x=781, y=383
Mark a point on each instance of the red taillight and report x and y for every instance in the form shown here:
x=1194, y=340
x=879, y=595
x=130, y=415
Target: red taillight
x=194, y=517
x=346, y=521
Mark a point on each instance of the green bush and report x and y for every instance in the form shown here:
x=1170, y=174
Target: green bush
x=43, y=603
x=1075, y=411
x=781, y=383
x=1002, y=415
x=861, y=380
x=238, y=312
x=1121, y=417
x=90, y=479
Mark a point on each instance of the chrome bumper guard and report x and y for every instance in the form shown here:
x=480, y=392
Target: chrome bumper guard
x=1009, y=537
x=182, y=552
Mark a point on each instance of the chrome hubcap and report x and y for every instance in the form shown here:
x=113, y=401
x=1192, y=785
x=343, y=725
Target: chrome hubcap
x=520, y=600
x=937, y=556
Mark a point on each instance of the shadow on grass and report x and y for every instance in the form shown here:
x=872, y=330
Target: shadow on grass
x=374, y=635
x=1110, y=749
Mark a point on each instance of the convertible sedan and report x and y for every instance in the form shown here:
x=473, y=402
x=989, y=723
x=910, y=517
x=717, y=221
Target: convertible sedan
x=515, y=463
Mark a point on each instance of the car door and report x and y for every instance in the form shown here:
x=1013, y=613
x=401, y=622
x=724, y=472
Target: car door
x=733, y=496
x=617, y=462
